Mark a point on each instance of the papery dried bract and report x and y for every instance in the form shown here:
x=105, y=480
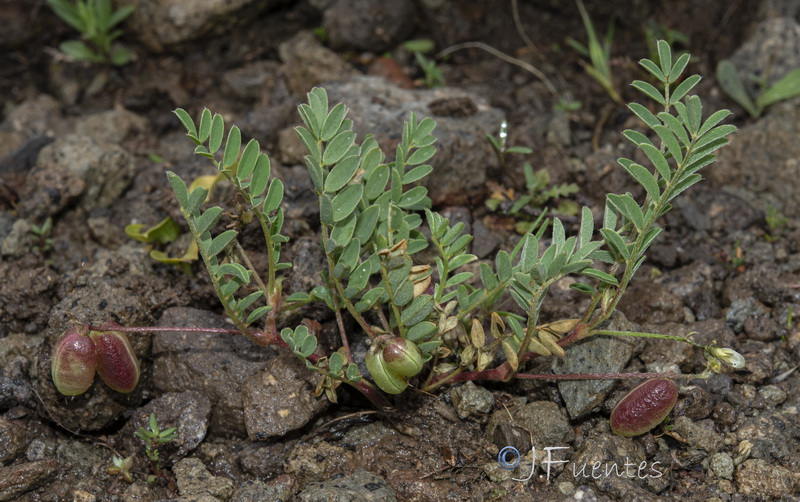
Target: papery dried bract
x=117, y=364
x=74, y=363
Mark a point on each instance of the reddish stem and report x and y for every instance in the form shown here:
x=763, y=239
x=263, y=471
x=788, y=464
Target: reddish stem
x=596, y=376
x=167, y=329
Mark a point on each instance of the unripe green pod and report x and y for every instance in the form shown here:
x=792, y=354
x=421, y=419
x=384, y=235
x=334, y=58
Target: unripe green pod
x=388, y=381
x=116, y=361
x=74, y=363
x=402, y=357
x=646, y=406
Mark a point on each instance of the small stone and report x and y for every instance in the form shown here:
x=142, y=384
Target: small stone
x=742, y=309
x=469, y=399
x=696, y=403
x=194, y=480
x=20, y=478
x=698, y=434
x=280, y=398
x=757, y=477
x=105, y=168
x=18, y=242
x=724, y=414
x=318, y=462
x=600, y=354
x=308, y=63
x=722, y=465
x=369, y=25
x=163, y=24
x=82, y=496
x=496, y=473
x=280, y=488
x=408, y=485
x=12, y=440
x=362, y=486
x=772, y=394
x=543, y=420
x=112, y=126
x=566, y=488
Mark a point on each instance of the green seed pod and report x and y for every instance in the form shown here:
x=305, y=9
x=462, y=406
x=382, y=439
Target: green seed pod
x=646, y=406
x=74, y=363
x=402, y=357
x=388, y=382
x=116, y=361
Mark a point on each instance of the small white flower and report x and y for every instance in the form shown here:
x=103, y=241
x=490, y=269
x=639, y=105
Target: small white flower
x=728, y=356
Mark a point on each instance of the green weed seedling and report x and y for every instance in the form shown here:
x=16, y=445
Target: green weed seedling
x=599, y=54
x=537, y=185
x=152, y=438
x=775, y=222
x=431, y=323
x=40, y=235
x=121, y=467
x=785, y=88
x=433, y=75
x=95, y=20
x=419, y=47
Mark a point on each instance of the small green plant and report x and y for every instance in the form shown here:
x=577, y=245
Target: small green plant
x=40, y=235
x=431, y=323
x=433, y=75
x=121, y=467
x=785, y=88
x=94, y=19
x=500, y=145
x=153, y=438
x=775, y=222
x=419, y=47
x=422, y=316
x=599, y=54
x=538, y=192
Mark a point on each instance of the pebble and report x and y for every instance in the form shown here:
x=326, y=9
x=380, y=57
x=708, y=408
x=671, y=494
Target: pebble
x=698, y=434
x=469, y=399
x=194, y=480
x=21, y=478
x=722, y=465
x=773, y=394
x=362, y=485
x=759, y=478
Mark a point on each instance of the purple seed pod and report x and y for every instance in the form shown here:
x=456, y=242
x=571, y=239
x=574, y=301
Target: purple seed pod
x=644, y=407
x=116, y=362
x=74, y=362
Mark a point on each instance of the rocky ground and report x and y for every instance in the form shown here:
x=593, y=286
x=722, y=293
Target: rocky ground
x=87, y=146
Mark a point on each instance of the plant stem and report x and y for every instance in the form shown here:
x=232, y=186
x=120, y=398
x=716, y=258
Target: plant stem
x=606, y=376
x=165, y=329
x=340, y=289
x=342, y=332
x=647, y=335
